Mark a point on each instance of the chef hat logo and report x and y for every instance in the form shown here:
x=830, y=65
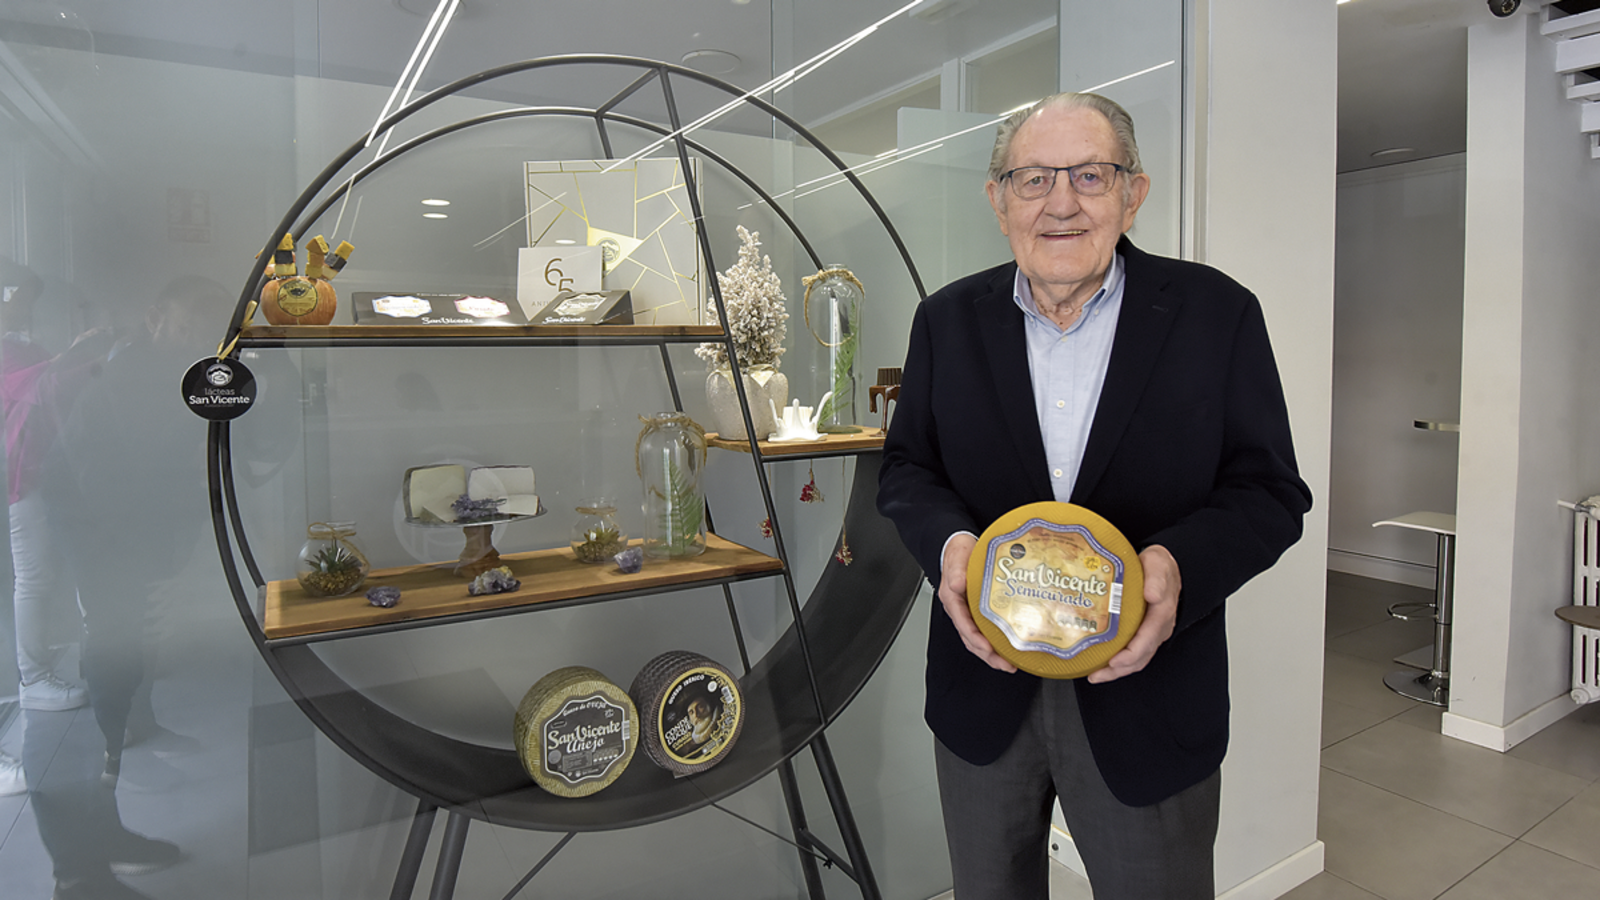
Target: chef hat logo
x=219, y=374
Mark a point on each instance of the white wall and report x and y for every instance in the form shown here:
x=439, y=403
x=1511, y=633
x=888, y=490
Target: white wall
x=1396, y=359
x=1529, y=424
x=1266, y=195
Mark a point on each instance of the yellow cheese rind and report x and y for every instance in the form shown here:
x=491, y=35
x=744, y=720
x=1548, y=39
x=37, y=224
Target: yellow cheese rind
x=1056, y=589
x=691, y=711
x=575, y=732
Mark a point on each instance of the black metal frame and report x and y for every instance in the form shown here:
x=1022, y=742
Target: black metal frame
x=855, y=612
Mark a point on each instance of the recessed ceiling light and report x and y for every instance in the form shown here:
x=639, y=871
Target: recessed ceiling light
x=435, y=216
x=711, y=62
x=1393, y=151
x=565, y=241
x=436, y=203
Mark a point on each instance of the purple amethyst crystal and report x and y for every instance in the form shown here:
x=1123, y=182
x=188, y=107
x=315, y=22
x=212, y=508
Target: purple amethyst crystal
x=470, y=510
x=630, y=561
x=383, y=596
x=494, y=581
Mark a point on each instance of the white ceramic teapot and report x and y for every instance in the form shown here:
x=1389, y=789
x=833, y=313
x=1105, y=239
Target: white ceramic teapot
x=796, y=422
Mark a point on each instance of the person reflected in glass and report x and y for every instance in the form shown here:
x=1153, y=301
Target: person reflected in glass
x=35, y=385
x=128, y=480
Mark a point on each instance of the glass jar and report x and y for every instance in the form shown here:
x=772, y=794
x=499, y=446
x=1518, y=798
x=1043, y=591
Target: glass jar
x=596, y=535
x=833, y=316
x=331, y=564
x=671, y=457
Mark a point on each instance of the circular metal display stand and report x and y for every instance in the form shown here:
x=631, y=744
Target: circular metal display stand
x=850, y=620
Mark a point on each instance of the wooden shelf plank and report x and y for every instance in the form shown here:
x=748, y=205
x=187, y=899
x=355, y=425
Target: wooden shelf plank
x=1581, y=616
x=446, y=334
x=431, y=591
x=871, y=439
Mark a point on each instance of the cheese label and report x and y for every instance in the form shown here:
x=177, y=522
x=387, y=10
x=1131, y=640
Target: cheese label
x=698, y=716
x=1055, y=588
x=585, y=739
x=297, y=296
x=1052, y=588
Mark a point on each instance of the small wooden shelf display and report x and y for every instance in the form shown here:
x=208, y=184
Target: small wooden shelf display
x=433, y=591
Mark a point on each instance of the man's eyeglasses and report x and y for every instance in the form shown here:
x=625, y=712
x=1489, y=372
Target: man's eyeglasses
x=1088, y=179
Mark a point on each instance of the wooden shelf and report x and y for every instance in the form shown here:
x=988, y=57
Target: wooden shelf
x=1581, y=616
x=457, y=335
x=432, y=591
x=829, y=445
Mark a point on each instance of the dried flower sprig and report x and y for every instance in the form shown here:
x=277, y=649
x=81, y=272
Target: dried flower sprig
x=757, y=312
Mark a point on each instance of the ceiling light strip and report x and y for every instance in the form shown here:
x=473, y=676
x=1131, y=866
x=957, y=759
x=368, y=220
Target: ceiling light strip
x=774, y=85
x=416, y=54
x=877, y=162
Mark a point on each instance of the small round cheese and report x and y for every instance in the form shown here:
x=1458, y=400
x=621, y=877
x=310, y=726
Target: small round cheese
x=575, y=731
x=691, y=711
x=1056, y=589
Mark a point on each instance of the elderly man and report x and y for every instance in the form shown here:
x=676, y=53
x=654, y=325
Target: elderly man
x=1144, y=389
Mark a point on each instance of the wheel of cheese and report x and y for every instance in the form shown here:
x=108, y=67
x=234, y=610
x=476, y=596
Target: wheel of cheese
x=575, y=731
x=690, y=710
x=1056, y=589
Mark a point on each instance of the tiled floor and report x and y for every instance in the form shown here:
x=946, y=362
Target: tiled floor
x=1407, y=814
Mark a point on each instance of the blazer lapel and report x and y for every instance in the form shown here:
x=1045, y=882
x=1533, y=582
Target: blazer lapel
x=1000, y=324
x=1148, y=310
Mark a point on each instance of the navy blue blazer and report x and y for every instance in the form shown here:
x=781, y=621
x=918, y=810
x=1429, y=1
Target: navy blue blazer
x=1190, y=449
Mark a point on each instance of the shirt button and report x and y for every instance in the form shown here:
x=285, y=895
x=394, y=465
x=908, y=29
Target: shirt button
x=1058, y=473
x=1060, y=404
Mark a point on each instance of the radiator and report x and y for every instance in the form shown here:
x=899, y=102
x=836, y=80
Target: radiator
x=1585, y=592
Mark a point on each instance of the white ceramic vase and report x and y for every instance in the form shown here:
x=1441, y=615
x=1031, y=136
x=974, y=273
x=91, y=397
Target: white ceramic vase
x=761, y=384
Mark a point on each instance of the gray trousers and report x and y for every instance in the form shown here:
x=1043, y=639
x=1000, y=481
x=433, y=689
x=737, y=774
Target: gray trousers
x=997, y=818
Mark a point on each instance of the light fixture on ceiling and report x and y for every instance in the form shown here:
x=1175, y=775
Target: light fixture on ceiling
x=711, y=62
x=1392, y=151
x=436, y=215
x=435, y=202
x=565, y=241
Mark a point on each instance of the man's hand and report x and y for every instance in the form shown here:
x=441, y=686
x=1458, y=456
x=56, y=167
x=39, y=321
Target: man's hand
x=1162, y=585
x=953, y=595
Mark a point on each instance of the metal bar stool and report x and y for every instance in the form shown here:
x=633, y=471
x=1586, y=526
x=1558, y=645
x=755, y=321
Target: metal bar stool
x=1433, y=685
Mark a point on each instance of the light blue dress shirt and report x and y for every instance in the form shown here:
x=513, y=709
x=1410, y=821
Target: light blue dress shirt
x=1068, y=369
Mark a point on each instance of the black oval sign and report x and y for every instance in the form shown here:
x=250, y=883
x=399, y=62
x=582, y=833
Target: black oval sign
x=219, y=389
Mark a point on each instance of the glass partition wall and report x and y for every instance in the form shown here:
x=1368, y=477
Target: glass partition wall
x=148, y=157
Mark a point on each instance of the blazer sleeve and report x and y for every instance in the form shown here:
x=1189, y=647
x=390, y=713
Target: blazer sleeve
x=1253, y=511
x=914, y=489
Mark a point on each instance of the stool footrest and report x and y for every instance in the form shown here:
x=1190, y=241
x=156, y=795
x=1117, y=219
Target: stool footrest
x=1412, y=610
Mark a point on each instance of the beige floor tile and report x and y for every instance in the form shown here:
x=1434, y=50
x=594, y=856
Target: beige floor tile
x=1359, y=683
x=1571, y=831
x=1523, y=872
x=1571, y=745
x=1329, y=887
x=1393, y=847
x=1385, y=640
x=1424, y=716
x=1486, y=788
x=1349, y=611
x=1341, y=720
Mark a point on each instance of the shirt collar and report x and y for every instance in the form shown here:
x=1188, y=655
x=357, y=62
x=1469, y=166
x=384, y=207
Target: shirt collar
x=1022, y=294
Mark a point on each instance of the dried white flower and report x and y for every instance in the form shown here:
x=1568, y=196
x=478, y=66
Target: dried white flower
x=758, y=315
